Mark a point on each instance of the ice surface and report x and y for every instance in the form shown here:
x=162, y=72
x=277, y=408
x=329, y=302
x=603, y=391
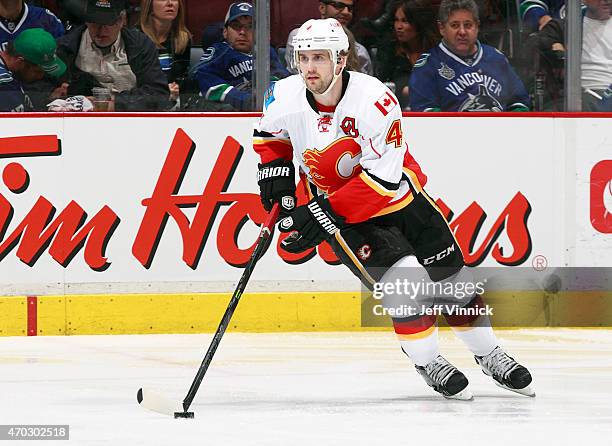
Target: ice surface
x=305, y=389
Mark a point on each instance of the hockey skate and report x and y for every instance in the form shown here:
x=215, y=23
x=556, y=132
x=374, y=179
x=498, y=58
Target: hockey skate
x=506, y=372
x=445, y=379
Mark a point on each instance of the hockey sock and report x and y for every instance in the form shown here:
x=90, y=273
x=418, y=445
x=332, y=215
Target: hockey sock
x=474, y=330
x=418, y=338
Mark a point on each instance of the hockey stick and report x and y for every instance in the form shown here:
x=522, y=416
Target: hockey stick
x=152, y=400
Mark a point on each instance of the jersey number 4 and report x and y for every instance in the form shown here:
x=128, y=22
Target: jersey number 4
x=395, y=135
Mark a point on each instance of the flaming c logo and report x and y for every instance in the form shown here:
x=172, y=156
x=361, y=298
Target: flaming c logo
x=333, y=166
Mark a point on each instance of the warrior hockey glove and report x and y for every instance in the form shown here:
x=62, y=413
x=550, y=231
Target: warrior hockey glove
x=276, y=181
x=311, y=224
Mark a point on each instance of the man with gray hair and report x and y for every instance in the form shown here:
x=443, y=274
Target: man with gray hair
x=104, y=53
x=461, y=74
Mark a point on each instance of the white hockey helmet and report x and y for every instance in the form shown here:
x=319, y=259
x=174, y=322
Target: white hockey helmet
x=322, y=34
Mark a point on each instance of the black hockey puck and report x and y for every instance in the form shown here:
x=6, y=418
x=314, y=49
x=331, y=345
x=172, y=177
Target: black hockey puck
x=183, y=414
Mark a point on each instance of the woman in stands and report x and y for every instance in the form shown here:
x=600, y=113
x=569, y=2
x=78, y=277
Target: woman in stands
x=164, y=22
x=414, y=32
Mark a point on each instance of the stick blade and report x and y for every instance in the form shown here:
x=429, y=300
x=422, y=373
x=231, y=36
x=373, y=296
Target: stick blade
x=157, y=402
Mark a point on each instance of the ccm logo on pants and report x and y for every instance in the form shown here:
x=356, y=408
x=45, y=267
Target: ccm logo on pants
x=439, y=256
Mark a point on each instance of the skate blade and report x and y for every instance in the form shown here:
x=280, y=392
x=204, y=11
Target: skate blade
x=527, y=391
x=464, y=395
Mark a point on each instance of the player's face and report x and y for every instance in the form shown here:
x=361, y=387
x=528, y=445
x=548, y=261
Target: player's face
x=165, y=9
x=317, y=69
x=598, y=9
x=105, y=35
x=460, y=32
x=339, y=10
x=239, y=34
x=404, y=31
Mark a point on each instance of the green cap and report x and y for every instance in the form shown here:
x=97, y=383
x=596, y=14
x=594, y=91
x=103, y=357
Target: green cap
x=37, y=46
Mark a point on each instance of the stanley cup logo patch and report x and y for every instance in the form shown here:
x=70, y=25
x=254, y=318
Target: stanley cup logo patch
x=446, y=72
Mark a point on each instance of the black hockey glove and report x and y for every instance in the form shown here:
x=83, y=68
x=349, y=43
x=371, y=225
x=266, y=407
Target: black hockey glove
x=311, y=224
x=276, y=181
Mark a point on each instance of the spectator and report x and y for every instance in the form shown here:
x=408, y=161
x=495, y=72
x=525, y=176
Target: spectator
x=535, y=14
x=103, y=53
x=543, y=52
x=461, y=74
x=164, y=22
x=343, y=12
x=597, y=56
x=224, y=72
x=545, y=19
x=17, y=16
x=414, y=32
x=26, y=59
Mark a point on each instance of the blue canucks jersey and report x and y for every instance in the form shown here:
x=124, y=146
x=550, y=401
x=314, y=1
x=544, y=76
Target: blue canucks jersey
x=222, y=64
x=33, y=17
x=12, y=96
x=443, y=81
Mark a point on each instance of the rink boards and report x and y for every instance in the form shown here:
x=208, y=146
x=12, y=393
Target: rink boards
x=134, y=224
x=270, y=312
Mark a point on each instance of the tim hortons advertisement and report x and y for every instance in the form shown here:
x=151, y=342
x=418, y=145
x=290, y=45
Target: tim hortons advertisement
x=592, y=216
x=171, y=203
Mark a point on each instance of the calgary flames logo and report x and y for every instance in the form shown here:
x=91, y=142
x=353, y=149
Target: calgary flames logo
x=364, y=252
x=333, y=166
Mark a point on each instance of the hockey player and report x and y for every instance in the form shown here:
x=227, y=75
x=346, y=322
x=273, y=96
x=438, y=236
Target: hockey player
x=461, y=74
x=344, y=131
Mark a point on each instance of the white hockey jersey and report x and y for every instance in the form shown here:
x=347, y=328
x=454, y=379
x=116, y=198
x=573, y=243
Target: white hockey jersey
x=354, y=153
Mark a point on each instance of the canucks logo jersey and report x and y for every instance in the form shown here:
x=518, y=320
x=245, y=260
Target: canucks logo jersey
x=33, y=17
x=443, y=81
